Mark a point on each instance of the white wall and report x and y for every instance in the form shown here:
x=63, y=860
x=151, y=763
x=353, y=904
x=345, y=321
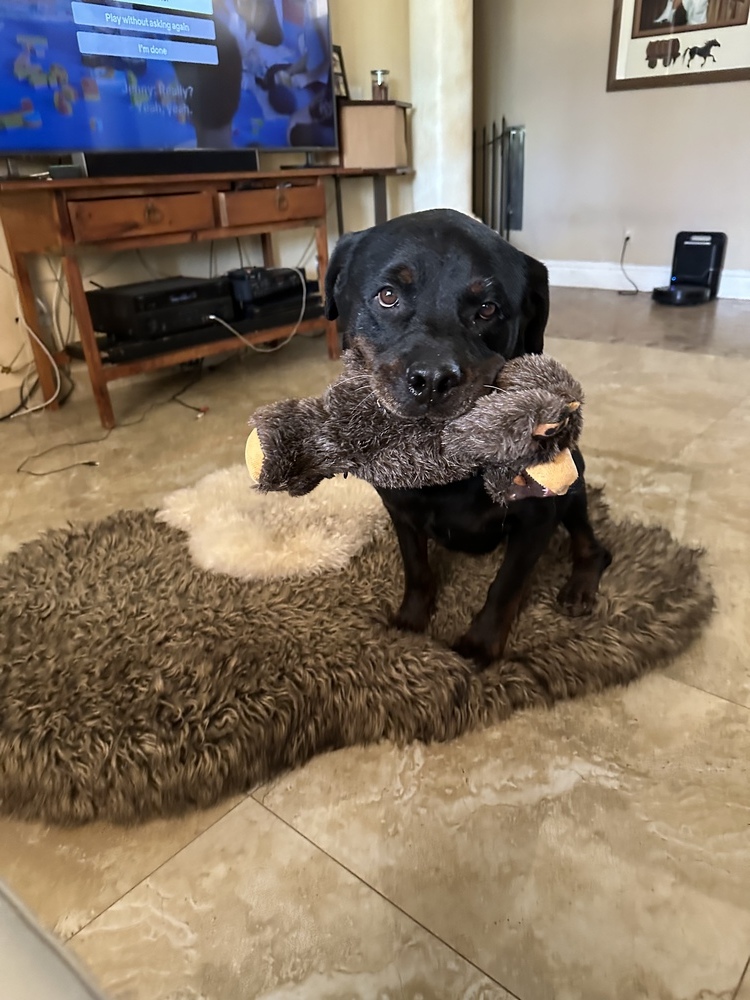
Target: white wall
x=653, y=161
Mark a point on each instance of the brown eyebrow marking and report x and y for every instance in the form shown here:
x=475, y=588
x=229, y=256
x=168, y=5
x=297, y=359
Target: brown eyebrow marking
x=405, y=275
x=479, y=286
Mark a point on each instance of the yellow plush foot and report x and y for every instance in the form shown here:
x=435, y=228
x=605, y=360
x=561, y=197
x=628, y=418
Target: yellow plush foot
x=254, y=456
x=556, y=476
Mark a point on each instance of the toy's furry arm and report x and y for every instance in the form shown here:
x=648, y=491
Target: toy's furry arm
x=291, y=433
x=302, y=441
x=530, y=421
x=513, y=429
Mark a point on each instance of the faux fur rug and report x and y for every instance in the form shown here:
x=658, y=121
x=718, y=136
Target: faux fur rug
x=134, y=683
x=234, y=529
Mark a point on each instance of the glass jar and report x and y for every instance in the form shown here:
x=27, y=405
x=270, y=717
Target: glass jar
x=379, y=78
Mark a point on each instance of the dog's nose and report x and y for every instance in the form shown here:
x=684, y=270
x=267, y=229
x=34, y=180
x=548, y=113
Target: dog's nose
x=431, y=383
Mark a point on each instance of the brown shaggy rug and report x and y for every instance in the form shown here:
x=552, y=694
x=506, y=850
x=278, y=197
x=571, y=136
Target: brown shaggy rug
x=135, y=684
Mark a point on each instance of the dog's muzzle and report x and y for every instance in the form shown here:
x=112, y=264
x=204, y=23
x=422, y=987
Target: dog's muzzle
x=432, y=384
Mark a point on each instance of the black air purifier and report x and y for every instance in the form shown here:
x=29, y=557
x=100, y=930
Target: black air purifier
x=696, y=269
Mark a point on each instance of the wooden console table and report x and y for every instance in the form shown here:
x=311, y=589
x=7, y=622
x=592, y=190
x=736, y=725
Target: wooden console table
x=111, y=214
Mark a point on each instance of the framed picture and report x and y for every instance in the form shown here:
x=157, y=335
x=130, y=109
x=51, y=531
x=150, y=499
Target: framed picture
x=667, y=43
x=340, y=85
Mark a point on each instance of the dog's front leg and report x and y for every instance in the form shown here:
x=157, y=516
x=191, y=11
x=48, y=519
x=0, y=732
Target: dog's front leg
x=420, y=587
x=485, y=640
x=590, y=557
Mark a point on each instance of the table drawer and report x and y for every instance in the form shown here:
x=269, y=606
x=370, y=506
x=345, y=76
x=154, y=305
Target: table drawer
x=117, y=218
x=281, y=204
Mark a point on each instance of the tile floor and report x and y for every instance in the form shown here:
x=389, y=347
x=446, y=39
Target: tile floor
x=601, y=850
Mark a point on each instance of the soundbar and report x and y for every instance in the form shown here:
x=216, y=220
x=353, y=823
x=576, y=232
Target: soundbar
x=167, y=161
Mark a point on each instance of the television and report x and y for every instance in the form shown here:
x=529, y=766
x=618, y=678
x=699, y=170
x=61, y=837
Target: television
x=113, y=77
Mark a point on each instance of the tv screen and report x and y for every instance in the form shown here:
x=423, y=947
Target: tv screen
x=104, y=75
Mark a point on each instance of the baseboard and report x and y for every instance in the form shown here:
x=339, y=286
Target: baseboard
x=608, y=274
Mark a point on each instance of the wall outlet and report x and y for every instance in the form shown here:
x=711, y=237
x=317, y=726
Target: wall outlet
x=627, y=234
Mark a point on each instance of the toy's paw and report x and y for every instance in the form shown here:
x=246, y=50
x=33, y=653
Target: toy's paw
x=561, y=425
x=513, y=429
x=547, y=479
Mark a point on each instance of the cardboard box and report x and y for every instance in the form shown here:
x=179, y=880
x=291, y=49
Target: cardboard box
x=374, y=134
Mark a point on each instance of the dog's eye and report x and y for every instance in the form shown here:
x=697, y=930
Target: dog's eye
x=487, y=310
x=387, y=297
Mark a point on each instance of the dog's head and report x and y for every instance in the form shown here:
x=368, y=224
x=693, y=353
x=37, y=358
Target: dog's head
x=436, y=302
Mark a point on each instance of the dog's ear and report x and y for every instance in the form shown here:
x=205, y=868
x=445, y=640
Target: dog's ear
x=337, y=271
x=534, y=308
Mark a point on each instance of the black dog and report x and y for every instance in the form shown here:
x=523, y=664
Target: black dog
x=438, y=302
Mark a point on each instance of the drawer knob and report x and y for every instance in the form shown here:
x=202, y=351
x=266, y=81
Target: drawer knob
x=282, y=202
x=153, y=213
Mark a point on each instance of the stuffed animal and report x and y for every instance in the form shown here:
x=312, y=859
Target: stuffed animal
x=518, y=436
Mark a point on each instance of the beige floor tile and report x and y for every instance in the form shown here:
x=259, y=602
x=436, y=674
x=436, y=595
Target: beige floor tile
x=662, y=364
x=635, y=489
x=719, y=662
x=719, y=328
x=634, y=361
x=6, y=506
x=599, y=850
x=714, y=514
x=743, y=993
x=724, y=447
x=251, y=909
x=582, y=357
x=648, y=421
x=693, y=505
x=138, y=464
x=651, y=405
x=68, y=876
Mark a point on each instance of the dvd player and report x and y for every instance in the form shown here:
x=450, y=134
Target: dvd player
x=251, y=285
x=282, y=313
x=157, y=308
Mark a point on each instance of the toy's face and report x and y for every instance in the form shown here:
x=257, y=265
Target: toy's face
x=437, y=303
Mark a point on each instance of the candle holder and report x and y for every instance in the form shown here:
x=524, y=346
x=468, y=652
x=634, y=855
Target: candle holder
x=379, y=78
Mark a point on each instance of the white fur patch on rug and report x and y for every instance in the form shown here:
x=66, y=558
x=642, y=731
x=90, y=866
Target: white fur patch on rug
x=233, y=528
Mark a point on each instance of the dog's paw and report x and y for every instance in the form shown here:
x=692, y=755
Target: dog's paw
x=577, y=599
x=579, y=595
x=412, y=616
x=476, y=651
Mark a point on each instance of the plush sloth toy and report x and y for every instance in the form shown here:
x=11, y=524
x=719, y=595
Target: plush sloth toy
x=519, y=436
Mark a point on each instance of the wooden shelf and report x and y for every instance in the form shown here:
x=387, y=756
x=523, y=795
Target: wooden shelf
x=115, y=214
x=112, y=214
x=123, y=369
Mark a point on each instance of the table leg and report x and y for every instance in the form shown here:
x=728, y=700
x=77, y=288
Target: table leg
x=332, y=330
x=266, y=242
x=339, y=205
x=27, y=298
x=81, y=312
x=380, y=194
